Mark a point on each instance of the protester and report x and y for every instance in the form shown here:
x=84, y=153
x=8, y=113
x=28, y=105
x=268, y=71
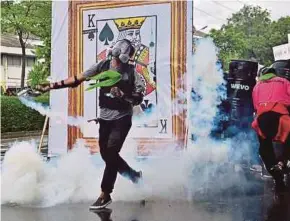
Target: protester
x=116, y=105
x=271, y=99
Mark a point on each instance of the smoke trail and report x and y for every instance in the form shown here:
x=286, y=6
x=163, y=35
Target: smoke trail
x=80, y=122
x=207, y=88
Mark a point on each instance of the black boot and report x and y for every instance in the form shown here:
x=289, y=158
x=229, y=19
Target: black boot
x=277, y=172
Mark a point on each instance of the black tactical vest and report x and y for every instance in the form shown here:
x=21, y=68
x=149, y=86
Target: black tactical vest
x=126, y=84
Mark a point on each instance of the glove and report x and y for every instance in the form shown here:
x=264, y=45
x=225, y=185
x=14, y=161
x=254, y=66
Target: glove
x=135, y=98
x=116, y=92
x=43, y=87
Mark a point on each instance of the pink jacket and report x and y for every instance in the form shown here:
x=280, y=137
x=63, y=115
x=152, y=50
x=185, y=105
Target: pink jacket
x=274, y=90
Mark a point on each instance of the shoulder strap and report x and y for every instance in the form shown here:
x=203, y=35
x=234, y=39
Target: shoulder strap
x=104, y=65
x=132, y=72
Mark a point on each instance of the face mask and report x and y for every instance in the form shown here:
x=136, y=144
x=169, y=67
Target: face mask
x=122, y=50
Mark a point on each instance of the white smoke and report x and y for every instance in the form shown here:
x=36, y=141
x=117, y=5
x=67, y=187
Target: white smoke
x=76, y=177
x=79, y=121
x=207, y=83
x=27, y=179
x=168, y=173
x=21, y=169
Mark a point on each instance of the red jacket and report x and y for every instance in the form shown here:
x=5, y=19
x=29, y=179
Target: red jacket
x=273, y=94
x=274, y=89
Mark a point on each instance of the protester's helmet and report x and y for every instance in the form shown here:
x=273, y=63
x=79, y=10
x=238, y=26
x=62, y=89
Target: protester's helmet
x=268, y=70
x=123, y=49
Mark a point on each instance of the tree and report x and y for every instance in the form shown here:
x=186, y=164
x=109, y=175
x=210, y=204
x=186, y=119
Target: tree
x=24, y=18
x=230, y=43
x=250, y=34
x=41, y=69
x=279, y=30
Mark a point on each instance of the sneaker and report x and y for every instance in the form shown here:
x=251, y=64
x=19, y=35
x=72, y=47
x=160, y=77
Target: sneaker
x=277, y=169
x=101, y=202
x=256, y=168
x=137, y=178
x=265, y=174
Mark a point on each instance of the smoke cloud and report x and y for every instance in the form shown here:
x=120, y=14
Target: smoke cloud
x=203, y=167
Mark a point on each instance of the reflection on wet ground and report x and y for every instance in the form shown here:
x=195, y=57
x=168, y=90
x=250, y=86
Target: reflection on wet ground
x=257, y=203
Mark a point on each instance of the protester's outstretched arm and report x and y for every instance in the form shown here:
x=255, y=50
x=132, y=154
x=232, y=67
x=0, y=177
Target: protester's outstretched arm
x=72, y=81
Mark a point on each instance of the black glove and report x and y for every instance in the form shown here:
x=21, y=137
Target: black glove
x=135, y=98
x=43, y=87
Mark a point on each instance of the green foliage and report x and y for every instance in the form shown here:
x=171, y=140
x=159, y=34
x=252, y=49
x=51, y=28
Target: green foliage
x=44, y=99
x=26, y=18
x=41, y=69
x=230, y=43
x=250, y=34
x=17, y=117
x=38, y=74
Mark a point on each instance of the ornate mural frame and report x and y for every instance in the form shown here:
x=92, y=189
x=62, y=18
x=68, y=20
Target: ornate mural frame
x=177, y=64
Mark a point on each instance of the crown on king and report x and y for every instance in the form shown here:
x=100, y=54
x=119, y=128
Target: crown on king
x=129, y=23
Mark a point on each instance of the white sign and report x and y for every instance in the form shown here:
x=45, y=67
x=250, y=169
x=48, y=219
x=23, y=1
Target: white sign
x=240, y=86
x=282, y=52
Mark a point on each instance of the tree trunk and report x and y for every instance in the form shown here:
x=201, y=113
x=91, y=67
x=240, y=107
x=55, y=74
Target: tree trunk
x=23, y=63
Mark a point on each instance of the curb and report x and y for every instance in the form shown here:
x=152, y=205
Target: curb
x=21, y=134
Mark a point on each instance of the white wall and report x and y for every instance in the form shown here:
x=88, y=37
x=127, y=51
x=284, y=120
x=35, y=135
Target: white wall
x=2, y=76
x=16, y=50
x=11, y=75
x=57, y=139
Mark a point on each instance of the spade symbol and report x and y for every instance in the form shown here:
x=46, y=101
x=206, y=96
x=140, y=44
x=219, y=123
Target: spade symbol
x=91, y=35
x=106, y=34
x=146, y=106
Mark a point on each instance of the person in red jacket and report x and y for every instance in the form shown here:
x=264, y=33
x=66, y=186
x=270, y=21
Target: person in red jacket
x=271, y=99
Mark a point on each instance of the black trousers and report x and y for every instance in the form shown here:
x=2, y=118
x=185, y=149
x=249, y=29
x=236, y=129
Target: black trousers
x=112, y=135
x=268, y=123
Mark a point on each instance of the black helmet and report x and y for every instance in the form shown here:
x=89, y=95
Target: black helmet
x=268, y=70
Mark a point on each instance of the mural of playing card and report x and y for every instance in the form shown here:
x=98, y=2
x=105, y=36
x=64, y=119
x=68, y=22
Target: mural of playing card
x=161, y=32
x=141, y=31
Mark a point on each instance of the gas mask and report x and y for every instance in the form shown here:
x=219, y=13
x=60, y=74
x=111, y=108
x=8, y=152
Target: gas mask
x=123, y=50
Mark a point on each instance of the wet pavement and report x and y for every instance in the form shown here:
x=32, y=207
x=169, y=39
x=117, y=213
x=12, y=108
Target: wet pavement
x=258, y=204
x=252, y=201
